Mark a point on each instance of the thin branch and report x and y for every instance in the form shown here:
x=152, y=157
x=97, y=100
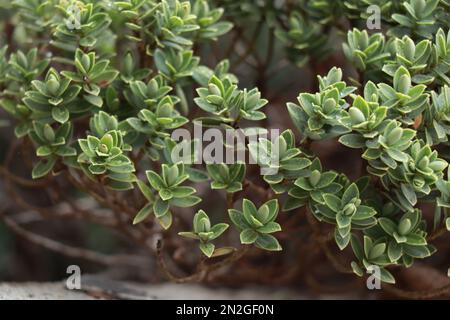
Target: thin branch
x=203, y=270
x=337, y=264
x=22, y=181
x=74, y=252
x=251, y=47
x=437, y=233
x=263, y=193
x=196, y=277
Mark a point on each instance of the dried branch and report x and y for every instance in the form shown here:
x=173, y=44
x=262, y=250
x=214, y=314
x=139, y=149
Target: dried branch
x=74, y=252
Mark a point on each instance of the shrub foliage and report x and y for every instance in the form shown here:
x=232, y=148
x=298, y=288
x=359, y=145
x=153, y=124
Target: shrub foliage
x=98, y=87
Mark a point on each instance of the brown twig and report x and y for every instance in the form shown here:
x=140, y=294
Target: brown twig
x=337, y=264
x=250, y=47
x=22, y=181
x=264, y=194
x=73, y=252
x=203, y=269
x=437, y=233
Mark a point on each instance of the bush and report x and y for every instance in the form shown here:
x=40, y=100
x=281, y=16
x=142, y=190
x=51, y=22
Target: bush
x=96, y=89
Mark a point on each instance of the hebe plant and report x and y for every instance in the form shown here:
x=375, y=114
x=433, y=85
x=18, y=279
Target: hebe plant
x=97, y=87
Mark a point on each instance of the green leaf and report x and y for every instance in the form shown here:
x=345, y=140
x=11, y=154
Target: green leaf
x=249, y=208
x=248, y=236
x=404, y=226
x=238, y=219
x=185, y=202
x=293, y=203
x=419, y=252
x=160, y=207
x=207, y=249
x=394, y=251
x=143, y=213
x=160, y=61
x=341, y=241
x=343, y=221
x=190, y=235
x=415, y=240
x=166, y=220
x=367, y=243
x=295, y=164
x=386, y=276
x=270, y=227
x=357, y=247
x=145, y=190
x=65, y=151
x=88, y=41
x=93, y=143
x=377, y=250
x=409, y=193
x=399, y=238
x=60, y=114
x=350, y=193
x=170, y=174
x=218, y=172
x=215, y=185
x=196, y=175
x=326, y=178
x=223, y=251
x=44, y=151
x=388, y=225
x=268, y=211
x=182, y=192
x=363, y=212
x=42, y=168
x=165, y=194
x=333, y=202
x=97, y=169
x=268, y=242
x=155, y=180
x=357, y=269
x=94, y=100
x=353, y=140
x=201, y=222
x=234, y=187
x=218, y=229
